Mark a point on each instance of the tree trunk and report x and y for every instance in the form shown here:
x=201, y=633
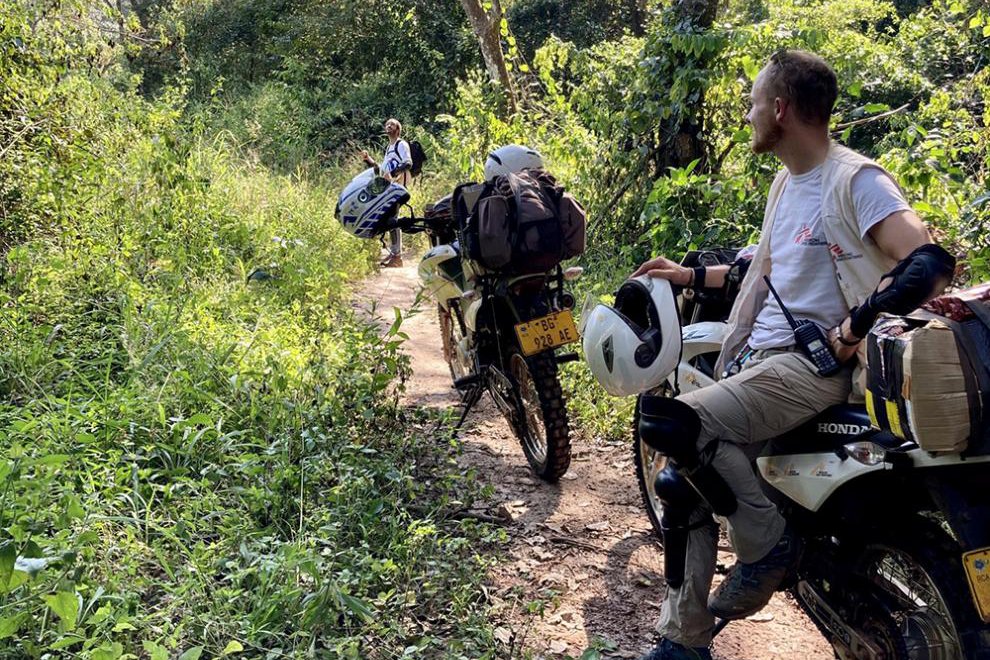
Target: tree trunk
x=685, y=142
x=486, y=26
x=637, y=17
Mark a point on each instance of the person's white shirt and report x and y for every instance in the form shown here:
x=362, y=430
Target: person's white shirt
x=396, y=155
x=801, y=267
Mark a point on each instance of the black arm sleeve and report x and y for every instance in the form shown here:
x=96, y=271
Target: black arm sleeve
x=918, y=277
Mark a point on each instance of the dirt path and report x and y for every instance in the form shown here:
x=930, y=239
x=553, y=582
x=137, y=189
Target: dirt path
x=581, y=553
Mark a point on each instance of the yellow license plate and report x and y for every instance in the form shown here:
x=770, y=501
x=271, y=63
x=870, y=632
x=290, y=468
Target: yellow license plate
x=547, y=332
x=977, y=564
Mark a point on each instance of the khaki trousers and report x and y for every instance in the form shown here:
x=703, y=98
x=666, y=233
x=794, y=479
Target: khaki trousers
x=776, y=391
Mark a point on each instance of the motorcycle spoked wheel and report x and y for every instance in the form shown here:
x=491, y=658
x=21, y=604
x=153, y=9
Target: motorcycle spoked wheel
x=542, y=428
x=868, y=616
x=649, y=464
x=451, y=333
x=915, y=571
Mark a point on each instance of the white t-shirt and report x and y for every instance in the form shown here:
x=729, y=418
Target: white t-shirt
x=395, y=155
x=801, y=268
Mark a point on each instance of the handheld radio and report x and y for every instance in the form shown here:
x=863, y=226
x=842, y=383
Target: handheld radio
x=810, y=339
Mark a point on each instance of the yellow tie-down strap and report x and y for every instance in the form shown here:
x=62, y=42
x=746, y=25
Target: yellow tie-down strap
x=892, y=418
x=977, y=565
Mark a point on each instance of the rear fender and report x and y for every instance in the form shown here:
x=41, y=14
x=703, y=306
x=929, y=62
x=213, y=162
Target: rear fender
x=963, y=498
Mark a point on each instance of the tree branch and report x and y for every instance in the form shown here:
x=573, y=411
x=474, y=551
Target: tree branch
x=866, y=120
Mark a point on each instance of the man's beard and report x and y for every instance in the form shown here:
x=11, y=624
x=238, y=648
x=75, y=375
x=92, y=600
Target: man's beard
x=765, y=143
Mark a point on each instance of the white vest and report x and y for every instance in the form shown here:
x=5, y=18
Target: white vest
x=859, y=263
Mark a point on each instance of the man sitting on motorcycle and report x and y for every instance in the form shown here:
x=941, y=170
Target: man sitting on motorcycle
x=840, y=244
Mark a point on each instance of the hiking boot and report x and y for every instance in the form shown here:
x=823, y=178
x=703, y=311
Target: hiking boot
x=393, y=261
x=668, y=650
x=748, y=587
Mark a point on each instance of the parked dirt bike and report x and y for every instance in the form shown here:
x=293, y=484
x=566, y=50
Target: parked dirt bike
x=500, y=334
x=897, y=559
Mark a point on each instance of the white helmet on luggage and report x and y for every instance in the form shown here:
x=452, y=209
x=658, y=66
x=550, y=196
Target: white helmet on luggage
x=368, y=203
x=632, y=346
x=511, y=158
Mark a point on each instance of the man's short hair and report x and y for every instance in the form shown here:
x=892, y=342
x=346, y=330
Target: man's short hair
x=807, y=81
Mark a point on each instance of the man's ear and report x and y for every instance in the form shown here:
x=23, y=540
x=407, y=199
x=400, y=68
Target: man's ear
x=780, y=108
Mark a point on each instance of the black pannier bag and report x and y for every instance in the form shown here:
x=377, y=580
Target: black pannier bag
x=524, y=223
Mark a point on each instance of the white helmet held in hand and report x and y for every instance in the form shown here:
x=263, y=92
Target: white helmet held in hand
x=512, y=158
x=632, y=346
x=368, y=203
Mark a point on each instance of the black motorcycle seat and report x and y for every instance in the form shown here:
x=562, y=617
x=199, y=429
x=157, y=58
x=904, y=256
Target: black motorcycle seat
x=829, y=431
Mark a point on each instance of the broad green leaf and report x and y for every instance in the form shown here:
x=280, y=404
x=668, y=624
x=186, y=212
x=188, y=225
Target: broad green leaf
x=156, y=651
x=53, y=459
x=192, y=654
x=200, y=419
x=74, y=508
x=17, y=578
x=66, y=641
x=10, y=624
x=101, y=615
x=357, y=607
x=65, y=604
x=108, y=652
x=8, y=555
x=855, y=89
x=233, y=646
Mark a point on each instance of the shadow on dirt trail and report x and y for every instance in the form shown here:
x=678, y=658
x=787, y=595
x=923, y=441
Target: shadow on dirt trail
x=581, y=564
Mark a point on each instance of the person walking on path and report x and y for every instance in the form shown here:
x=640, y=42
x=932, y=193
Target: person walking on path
x=395, y=167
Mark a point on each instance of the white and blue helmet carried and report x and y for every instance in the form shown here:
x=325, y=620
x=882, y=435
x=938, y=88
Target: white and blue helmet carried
x=368, y=203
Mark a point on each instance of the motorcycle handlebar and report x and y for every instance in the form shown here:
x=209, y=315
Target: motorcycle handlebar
x=412, y=224
x=409, y=225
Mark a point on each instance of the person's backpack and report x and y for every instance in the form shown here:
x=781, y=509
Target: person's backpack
x=524, y=223
x=418, y=156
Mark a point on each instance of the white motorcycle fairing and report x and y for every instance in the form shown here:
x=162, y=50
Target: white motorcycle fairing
x=810, y=479
x=696, y=339
x=441, y=273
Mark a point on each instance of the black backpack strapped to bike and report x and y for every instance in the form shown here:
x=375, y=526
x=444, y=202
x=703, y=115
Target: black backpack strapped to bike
x=524, y=223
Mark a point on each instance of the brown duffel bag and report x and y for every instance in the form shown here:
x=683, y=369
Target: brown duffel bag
x=929, y=373
x=525, y=223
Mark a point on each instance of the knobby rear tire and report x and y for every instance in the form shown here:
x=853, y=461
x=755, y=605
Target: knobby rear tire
x=551, y=410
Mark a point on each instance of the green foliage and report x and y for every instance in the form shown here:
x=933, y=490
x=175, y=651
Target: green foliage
x=340, y=69
x=582, y=22
x=201, y=449
x=913, y=87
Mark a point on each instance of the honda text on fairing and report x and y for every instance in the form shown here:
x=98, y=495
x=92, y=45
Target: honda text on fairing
x=897, y=539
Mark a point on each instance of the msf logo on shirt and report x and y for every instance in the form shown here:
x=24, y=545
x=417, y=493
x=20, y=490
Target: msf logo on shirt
x=806, y=238
x=838, y=254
